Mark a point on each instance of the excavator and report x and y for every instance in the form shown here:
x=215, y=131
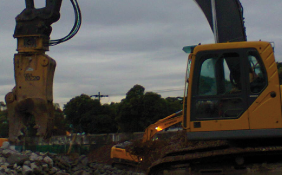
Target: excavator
x=119, y=154
x=34, y=71
x=232, y=93
x=233, y=98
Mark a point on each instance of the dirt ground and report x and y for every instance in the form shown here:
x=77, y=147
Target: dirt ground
x=101, y=155
x=149, y=151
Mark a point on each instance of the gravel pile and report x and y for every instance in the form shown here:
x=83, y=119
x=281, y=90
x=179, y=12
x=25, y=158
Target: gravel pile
x=13, y=162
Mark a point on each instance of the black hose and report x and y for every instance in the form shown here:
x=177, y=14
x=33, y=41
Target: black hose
x=75, y=28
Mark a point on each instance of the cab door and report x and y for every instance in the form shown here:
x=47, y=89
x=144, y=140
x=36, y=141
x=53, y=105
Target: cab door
x=219, y=98
x=263, y=90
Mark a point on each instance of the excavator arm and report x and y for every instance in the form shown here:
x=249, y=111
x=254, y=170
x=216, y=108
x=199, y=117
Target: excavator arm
x=34, y=71
x=225, y=19
x=119, y=155
x=162, y=124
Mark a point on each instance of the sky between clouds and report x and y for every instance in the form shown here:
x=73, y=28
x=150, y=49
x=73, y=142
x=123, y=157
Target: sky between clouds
x=123, y=43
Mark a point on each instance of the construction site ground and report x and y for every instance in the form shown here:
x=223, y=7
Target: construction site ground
x=150, y=151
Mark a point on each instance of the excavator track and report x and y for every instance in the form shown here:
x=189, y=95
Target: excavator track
x=220, y=159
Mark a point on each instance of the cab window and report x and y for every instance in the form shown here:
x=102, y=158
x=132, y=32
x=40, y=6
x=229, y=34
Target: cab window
x=257, y=74
x=207, y=82
x=220, y=75
x=219, y=90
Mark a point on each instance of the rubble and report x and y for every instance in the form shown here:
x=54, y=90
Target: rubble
x=13, y=162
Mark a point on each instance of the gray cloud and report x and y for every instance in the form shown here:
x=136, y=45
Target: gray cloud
x=123, y=43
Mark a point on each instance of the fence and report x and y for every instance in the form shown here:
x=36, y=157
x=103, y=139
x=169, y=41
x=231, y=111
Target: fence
x=81, y=144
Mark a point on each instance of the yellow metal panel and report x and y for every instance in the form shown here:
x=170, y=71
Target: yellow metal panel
x=34, y=76
x=41, y=43
x=265, y=112
x=223, y=125
x=192, y=56
x=266, y=52
x=269, y=62
x=120, y=153
x=234, y=45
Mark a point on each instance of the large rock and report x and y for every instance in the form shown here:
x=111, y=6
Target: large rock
x=26, y=170
x=13, y=162
x=17, y=158
x=5, y=145
x=49, y=161
x=82, y=172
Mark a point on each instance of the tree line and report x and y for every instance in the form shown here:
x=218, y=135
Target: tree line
x=82, y=114
x=133, y=114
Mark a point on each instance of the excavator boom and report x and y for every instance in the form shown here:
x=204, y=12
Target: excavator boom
x=225, y=18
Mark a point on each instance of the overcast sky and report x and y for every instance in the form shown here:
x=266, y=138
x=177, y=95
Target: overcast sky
x=126, y=42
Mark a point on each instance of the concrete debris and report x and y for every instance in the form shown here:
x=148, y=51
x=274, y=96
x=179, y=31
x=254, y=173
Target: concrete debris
x=13, y=162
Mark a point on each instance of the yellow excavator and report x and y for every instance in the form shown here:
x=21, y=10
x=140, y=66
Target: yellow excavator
x=233, y=96
x=121, y=156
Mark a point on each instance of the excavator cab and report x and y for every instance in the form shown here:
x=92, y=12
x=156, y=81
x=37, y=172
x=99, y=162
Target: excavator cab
x=233, y=92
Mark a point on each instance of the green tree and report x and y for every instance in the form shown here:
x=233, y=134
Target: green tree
x=138, y=110
x=154, y=108
x=60, y=123
x=174, y=104
x=206, y=84
x=130, y=110
x=137, y=91
x=89, y=116
x=76, y=109
x=102, y=123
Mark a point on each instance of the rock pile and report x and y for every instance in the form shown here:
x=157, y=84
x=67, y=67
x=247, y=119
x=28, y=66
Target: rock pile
x=13, y=162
